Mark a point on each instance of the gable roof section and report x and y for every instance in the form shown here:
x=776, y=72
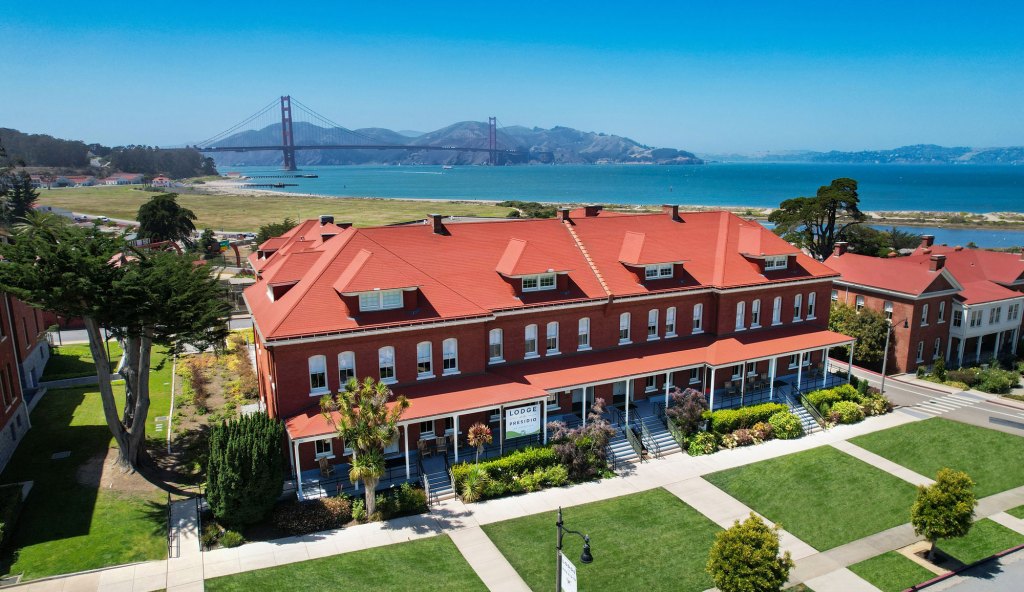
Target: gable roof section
x=638, y=250
x=524, y=258
x=368, y=271
x=903, y=275
x=754, y=241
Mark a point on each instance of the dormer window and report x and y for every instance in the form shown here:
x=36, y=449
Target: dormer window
x=380, y=300
x=542, y=281
x=653, y=272
x=776, y=262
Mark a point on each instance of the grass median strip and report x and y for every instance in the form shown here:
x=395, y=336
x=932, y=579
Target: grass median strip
x=423, y=565
x=644, y=541
x=823, y=496
x=985, y=539
x=891, y=572
x=991, y=458
x=1017, y=512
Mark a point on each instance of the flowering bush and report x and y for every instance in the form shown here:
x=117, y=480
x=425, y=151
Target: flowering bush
x=846, y=412
x=786, y=425
x=763, y=431
x=703, y=443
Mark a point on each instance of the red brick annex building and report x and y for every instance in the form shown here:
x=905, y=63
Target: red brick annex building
x=483, y=321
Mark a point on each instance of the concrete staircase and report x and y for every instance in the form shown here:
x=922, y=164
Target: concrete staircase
x=440, y=486
x=806, y=419
x=620, y=449
x=662, y=438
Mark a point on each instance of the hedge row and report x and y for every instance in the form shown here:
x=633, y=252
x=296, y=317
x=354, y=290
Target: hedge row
x=724, y=421
x=520, y=462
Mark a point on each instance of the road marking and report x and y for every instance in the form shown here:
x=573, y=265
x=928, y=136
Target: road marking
x=943, y=404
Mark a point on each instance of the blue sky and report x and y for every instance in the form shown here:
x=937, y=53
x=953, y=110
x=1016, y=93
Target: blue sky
x=703, y=76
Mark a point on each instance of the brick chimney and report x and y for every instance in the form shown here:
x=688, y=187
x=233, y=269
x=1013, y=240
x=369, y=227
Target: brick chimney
x=343, y=225
x=927, y=240
x=936, y=262
x=960, y=248
x=672, y=211
x=591, y=211
x=840, y=248
x=1022, y=254
x=438, y=225
x=325, y=220
x=563, y=214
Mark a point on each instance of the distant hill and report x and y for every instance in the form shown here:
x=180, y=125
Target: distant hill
x=916, y=154
x=561, y=145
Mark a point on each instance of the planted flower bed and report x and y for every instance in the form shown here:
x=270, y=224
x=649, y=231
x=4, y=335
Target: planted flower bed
x=846, y=404
x=521, y=471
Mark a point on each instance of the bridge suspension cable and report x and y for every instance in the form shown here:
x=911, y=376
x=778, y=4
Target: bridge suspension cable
x=330, y=124
x=240, y=125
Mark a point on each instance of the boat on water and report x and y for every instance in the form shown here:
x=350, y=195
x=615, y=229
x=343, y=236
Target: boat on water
x=447, y=167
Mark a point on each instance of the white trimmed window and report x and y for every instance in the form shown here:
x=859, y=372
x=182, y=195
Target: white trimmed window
x=698, y=317
x=741, y=315
x=552, y=338
x=975, y=318
x=495, y=347
x=924, y=315
x=887, y=307
x=777, y=311
x=694, y=375
x=653, y=272
x=583, y=334
x=450, y=356
x=860, y=303
x=942, y=312
x=994, y=315
x=652, y=324
x=424, y=360
x=755, y=314
x=650, y=384
x=386, y=364
x=778, y=262
x=958, y=318
x=835, y=295
x=812, y=300
x=346, y=367
x=543, y=281
x=624, y=320
x=324, y=448
x=317, y=375
x=670, y=321
x=1013, y=312
x=530, y=341
x=937, y=349
x=737, y=371
x=798, y=303
x=380, y=300
x=426, y=428
x=920, y=351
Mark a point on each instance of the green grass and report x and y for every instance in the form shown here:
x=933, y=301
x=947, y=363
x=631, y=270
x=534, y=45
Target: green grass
x=1017, y=512
x=70, y=524
x=985, y=539
x=423, y=565
x=248, y=212
x=75, y=361
x=891, y=572
x=991, y=458
x=823, y=496
x=645, y=541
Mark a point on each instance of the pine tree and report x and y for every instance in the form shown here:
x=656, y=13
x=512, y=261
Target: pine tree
x=244, y=471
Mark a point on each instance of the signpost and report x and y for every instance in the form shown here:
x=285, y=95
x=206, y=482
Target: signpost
x=568, y=574
x=522, y=421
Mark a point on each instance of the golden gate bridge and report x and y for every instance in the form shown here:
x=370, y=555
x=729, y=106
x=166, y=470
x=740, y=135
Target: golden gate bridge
x=254, y=133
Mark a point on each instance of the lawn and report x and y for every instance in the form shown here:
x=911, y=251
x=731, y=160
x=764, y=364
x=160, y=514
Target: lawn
x=69, y=523
x=1017, y=512
x=423, y=565
x=986, y=538
x=823, y=496
x=248, y=212
x=75, y=361
x=891, y=572
x=991, y=458
x=645, y=541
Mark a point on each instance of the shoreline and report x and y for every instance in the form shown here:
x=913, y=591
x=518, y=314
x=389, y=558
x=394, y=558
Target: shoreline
x=1013, y=221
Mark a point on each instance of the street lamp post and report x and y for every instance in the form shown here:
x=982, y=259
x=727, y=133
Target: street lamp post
x=885, y=353
x=585, y=556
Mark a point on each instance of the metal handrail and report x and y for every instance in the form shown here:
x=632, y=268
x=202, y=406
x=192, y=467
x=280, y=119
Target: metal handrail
x=676, y=433
x=813, y=411
x=426, y=486
x=173, y=534
x=634, y=442
x=618, y=418
x=648, y=439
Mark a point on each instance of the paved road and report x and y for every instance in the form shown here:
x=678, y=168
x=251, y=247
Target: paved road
x=1004, y=575
x=80, y=336
x=1005, y=416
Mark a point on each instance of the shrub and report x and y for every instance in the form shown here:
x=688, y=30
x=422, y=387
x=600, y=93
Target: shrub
x=402, y=501
x=472, y=483
x=786, y=425
x=686, y=408
x=724, y=421
x=244, y=475
x=729, y=441
x=945, y=509
x=939, y=369
x=359, y=510
x=849, y=392
x=846, y=412
x=584, y=450
x=746, y=557
x=744, y=437
x=877, y=405
x=996, y=381
x=298, y=518
x=231, y=538
x=209, y=536
x=967, y=376
x=763, y=430
x=702, y=443
x=519, y=462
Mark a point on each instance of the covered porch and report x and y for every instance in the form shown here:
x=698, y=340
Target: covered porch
x=981, y=349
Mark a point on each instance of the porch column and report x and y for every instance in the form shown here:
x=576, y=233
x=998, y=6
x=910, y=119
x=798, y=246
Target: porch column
x=629, y=393
x=743, y=381
x=849, y=369
x=405, y=431
x=1013, y=347
x=799, y=370
x=711, y=400
x=995, y=352
x=501, y=431
x=960, y=354
x=455, y=437
x=543, y=423
x=771, y=379
x=824, y=366
x=668, y=376
x=949, y=349
x=298, y=470
x=584, y=406
x=977, y=354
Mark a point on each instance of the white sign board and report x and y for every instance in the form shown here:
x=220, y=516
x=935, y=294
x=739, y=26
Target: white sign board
x=568, y=574
x=522, y=421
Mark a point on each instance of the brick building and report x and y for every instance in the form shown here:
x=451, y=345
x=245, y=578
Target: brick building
x=483, y=321
x=19, y=357
x=963, y=305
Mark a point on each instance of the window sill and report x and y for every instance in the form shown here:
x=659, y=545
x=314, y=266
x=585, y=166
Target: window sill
x=552, y=352
x=328, y=456
x=319, y=393
x=755, y=325
x=776, y=323
x=738, y=329
x=695, y=381
x=389, y=380
x=496, y=361
x=653, y=338
x=425, y=376
x=553, y=408
x=650, y=389
x=697, y=331
x=531, y=356
x=670, y=334
x=941, y=322
x=625, y=342
x=583, y=348
x=797, y=319
x=450, y=373
x=811, y=317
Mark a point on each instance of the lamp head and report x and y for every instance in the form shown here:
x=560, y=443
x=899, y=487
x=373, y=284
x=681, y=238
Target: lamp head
x=586, y=557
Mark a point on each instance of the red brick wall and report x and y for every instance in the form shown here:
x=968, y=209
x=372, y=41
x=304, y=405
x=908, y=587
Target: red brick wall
x=10, y=386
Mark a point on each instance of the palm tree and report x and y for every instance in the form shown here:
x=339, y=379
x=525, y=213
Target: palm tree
x=479, y=436
x=365, y=415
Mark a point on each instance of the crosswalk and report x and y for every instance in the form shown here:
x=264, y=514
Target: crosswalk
x=946, y=403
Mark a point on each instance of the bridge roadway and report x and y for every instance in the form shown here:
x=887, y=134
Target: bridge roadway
x=353, y=147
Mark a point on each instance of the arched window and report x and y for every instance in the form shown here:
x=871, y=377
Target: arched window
x=777, y=310
x=450, y=356
x=495, y=346
x=670, y=321
x=386, y=364
x=741, y=315
x=424, y=360
x=346, y=367
x=755, y=314
x=552, y=338
x=318, y=374
x=530, y=343
x=624, y=320
x=583, y=334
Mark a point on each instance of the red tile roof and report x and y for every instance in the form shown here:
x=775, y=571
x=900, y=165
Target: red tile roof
x=457, y=272
x=896, y=274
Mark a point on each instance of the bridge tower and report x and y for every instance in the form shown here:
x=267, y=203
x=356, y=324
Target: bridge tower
x=287, y=134
x=492, y=141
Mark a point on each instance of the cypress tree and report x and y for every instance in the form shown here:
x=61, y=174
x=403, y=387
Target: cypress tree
x=244, y=471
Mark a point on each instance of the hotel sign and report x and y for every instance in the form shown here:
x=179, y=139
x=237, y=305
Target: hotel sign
x=568, y=574
x=522, y=421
